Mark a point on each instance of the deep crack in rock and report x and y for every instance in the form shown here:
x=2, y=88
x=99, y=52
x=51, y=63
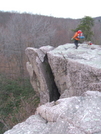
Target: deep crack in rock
x=49, y=77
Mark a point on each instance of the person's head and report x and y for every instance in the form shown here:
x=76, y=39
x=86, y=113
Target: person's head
x=79, y=31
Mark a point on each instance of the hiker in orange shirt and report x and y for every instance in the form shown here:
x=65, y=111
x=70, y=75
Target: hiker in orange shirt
x=76, y=38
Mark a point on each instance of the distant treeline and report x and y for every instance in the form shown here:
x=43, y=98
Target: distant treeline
x=18, y=31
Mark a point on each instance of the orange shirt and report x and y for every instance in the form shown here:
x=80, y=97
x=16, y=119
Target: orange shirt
x=76, y=36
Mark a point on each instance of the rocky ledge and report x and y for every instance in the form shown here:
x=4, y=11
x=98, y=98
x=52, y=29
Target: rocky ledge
x=73, y=115
x=64, y=71
x=68, y=82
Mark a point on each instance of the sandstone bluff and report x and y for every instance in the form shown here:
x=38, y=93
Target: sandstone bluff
x=68, y=82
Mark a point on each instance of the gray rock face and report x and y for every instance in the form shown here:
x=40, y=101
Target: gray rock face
x=76, y=70
x=64, y=71
x=41, y=76
x=74, y=76
x=73, y=115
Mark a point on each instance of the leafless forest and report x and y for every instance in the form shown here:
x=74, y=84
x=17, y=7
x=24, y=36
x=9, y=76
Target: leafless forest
x=18, y=31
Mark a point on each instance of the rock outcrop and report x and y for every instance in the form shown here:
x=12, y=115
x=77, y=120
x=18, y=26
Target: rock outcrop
x=68, y=81
x=73, y=115
x=64, y=71
x=41, y=75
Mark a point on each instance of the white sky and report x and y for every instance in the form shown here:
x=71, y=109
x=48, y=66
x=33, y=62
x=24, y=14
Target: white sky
x=58, y=8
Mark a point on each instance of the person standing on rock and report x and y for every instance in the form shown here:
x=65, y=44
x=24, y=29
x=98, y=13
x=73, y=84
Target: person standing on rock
x=77, y=36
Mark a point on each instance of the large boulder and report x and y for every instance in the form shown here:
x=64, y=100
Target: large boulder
x=73, y=115
x=76, y=70
x=64, y=71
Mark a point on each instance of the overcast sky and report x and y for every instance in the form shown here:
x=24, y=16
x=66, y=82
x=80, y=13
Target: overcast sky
x=58, y=8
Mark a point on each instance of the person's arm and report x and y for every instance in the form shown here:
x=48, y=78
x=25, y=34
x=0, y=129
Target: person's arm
x=75, y=35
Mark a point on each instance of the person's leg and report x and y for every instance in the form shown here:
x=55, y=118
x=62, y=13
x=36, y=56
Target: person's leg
x=76, y=43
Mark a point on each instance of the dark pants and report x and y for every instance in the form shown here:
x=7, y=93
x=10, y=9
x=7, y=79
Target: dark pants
x=76, y=43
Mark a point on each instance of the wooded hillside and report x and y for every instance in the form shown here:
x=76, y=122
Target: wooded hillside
x=18, y=31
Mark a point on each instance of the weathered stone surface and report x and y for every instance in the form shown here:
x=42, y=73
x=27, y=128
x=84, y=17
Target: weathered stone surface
x=33, y=125
x=65, y=72
x=40, y=72
x=76, y=70
x=73, y=115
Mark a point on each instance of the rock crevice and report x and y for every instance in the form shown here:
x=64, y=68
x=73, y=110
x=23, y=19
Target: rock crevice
x=41, y=75
x=49, y=77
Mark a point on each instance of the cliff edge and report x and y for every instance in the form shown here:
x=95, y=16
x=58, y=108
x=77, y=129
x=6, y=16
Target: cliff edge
x=68, y=82
x=64, y=71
